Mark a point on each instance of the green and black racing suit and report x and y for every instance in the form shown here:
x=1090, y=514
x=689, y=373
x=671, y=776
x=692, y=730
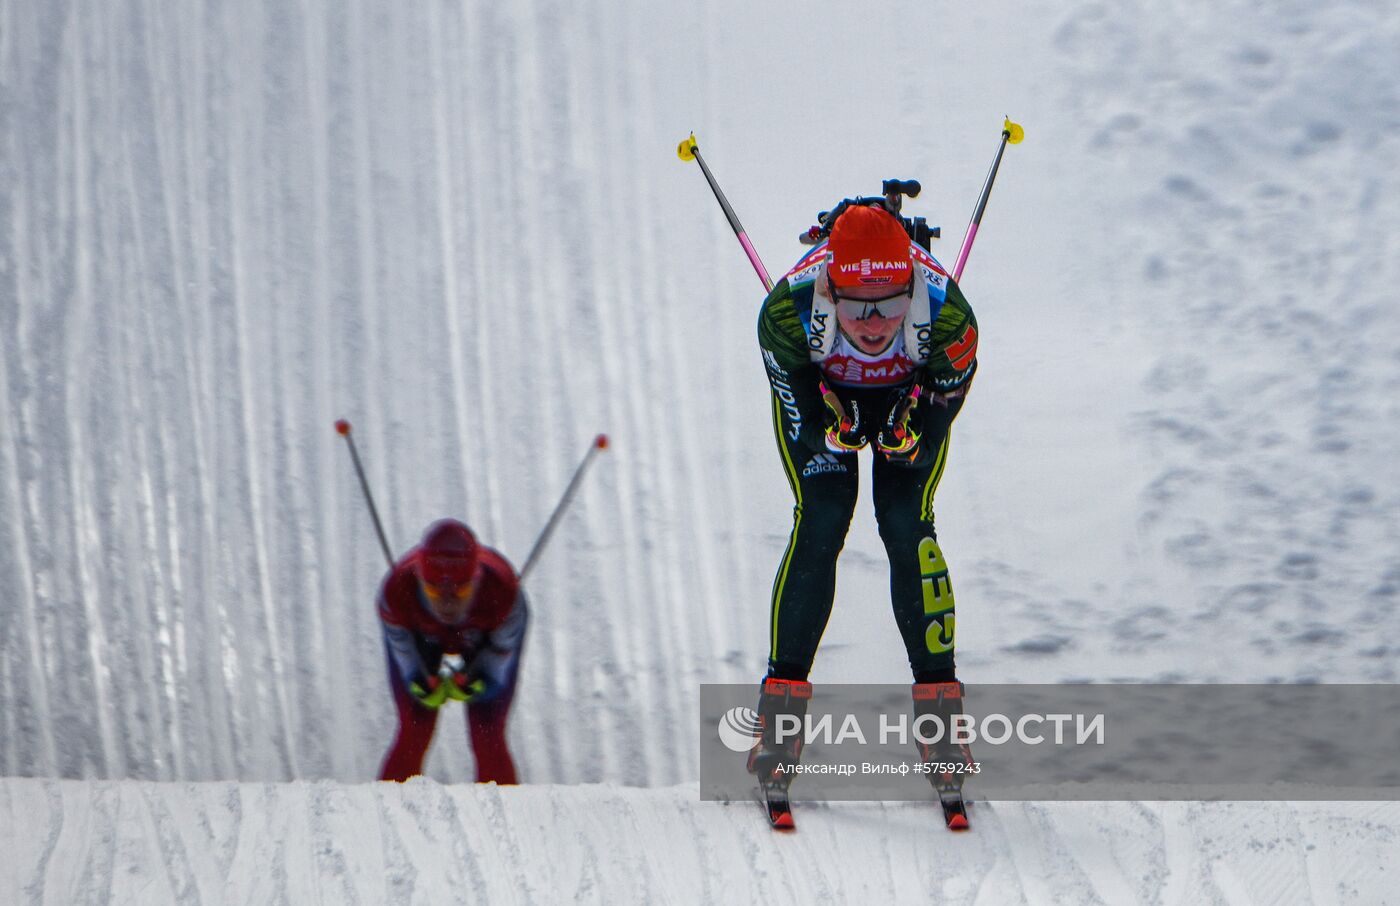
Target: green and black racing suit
x=824, y=481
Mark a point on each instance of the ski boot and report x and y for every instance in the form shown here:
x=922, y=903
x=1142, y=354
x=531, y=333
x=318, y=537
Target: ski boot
x=944, y=700
x=770, y=761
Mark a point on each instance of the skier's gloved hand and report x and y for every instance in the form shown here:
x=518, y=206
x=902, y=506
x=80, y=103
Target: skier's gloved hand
x=454, y=685
x=843, y=433
x=899, y=437
x=462, y=689
x=476, y=690
x=429, y=691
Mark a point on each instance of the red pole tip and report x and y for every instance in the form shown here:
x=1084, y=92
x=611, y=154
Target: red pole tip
x=601, y=441
x=342, y=426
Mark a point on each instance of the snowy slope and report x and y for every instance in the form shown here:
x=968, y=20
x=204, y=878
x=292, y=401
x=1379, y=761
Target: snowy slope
x=1253, y=155
x=308, y=843
x=463, y=226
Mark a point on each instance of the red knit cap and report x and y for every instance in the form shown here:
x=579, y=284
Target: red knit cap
x=868, y=248
x=448, y=553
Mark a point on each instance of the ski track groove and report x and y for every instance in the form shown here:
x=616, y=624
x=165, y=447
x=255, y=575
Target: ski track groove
x=87, y=535
x=445, y=207
x=201, y=144
x=625, y=604
x=139, y=531
x=56, y=823
x=1008, y=845
x=549, y=304
x=10, y=879
x=181, y=559
x=160, y=528
x=326, y=572
x=398, y=873
x=576, y=290
x=49, y=645
x=12, y=285
x=493, y=322
x=99, y=856
x=229, y=619
x=464, y=855
x=595, y=734
x=654, y=610
x=362, y=393
x=171, y=849
x=1055, y=820
x=423, y=803
x=556, y=443
x=148, y=875
x=698, y=565
x=328, y=845
x=246, y=188
x=479, y=148
x=38, y=694
x=292, y=350
x=583, y=582
x=686, y=562
x=373, y=404
x=167, y=143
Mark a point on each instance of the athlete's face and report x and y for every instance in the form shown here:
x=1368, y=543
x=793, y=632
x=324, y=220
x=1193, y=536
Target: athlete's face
x=872, y=315
x=449, y=603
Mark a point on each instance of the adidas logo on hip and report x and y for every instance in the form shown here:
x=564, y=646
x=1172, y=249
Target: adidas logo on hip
x=822, y=463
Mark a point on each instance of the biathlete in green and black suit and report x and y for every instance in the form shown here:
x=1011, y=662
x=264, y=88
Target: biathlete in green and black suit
x=867, y=341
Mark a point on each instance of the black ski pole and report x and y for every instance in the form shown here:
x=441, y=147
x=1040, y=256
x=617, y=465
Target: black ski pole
x=343, y=428
x=599, y=443
x=689, y=150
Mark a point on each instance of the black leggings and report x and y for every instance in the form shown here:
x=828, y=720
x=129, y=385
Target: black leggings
x=825, y=486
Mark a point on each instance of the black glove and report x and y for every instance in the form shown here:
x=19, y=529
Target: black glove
x=843, y=434
x=899, y=437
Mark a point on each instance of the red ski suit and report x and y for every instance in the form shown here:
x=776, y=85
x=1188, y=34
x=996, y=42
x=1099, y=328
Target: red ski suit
x=489, y=641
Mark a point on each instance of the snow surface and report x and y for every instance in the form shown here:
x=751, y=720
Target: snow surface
x=325, y=842
x=462, y=226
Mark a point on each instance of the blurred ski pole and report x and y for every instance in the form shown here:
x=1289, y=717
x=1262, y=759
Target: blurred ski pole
x=1011, y=133
x=342, y=428
x=689, y=150
x=599, y=443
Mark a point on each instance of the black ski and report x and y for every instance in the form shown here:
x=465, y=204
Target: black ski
x=773, y=798
x=954, y=810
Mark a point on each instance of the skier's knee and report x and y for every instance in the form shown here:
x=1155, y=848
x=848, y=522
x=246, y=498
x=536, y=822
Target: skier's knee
x=901, y=524
x=829, y=513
